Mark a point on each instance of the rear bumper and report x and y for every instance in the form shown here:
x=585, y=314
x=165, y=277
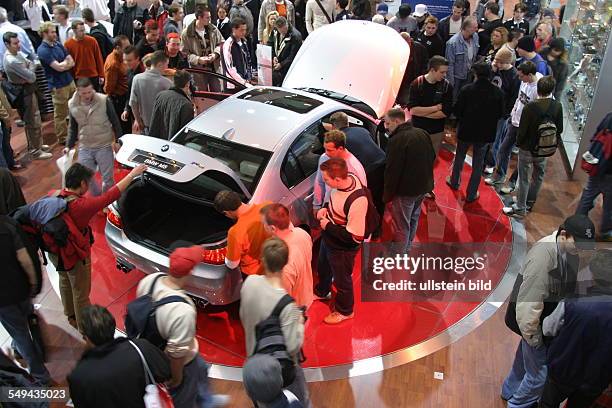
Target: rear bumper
x=215, y=283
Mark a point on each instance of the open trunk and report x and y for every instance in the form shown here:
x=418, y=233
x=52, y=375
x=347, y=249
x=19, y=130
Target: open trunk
x=155, y=214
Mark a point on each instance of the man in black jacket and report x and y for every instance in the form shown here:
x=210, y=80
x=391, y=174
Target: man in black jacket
x=111, y=372
x=492, y=21
x=173, y=108
x=479, y=106
x=408, y=175
x=531, y=168
x=129, y=21
x=285, y=42
x=430, y=38
x=455, y=19
x=417, y=65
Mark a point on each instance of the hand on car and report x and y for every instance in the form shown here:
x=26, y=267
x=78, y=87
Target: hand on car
x=204, y=60
x=116, y=147
x=138, y=170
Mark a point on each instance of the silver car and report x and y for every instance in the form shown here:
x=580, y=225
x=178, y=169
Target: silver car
x=262, y=142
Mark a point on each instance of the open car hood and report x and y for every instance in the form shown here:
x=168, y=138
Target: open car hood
x=170, y=161
x=361, y=59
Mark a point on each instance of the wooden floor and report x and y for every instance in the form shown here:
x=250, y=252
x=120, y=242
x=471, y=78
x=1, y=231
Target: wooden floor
x=473, y=367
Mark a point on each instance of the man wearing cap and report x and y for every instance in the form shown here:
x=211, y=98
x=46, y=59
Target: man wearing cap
x=548, y=276
x=403, y=22
x=526, y=51
x=420, y=14
x=176, y=323
x=262, y=377
x=383, y=10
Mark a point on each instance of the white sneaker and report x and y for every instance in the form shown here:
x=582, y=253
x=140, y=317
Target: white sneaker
x=40, y=155
x=489, y=170
x=491, y=181
x=219, y=400
x=506, y=189
x=45, y=148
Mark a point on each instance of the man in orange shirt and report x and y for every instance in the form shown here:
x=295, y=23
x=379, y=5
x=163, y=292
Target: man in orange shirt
x=116, y=80
x=246, y=236
x=87, y=56
x=297, y=273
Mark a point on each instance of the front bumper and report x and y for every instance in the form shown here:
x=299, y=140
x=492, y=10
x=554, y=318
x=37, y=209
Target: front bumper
x=216, y=284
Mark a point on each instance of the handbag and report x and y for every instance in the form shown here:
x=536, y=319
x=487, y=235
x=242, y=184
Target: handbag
x=329, y=20
x=156, y=395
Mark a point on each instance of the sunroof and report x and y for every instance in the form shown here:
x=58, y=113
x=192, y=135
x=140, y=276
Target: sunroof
x=282, y=99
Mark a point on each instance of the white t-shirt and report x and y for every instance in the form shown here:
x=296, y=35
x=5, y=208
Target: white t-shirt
x=454, y=26
x=176, y=321
x=528, y=92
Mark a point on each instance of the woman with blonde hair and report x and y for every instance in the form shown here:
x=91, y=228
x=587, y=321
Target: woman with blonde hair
x=499, y=36
x=267, y=32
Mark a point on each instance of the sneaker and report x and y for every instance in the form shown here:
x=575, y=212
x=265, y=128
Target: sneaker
x=218, y=400
x=473, y=199
x=514, y=212
x=491, y=181
x=323, y=298
x=515, y=150
x=40, y=155
x=506, y=189
x=488, y=170
x=20, y=123
x=431, y=195
x=45, y=148
x=448, y=183
x=337, y=317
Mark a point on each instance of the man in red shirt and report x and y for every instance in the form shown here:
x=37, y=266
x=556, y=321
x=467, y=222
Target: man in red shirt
x=87, y=56
x=75, y=283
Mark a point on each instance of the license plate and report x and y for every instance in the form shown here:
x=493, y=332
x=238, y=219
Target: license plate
x=157, y=163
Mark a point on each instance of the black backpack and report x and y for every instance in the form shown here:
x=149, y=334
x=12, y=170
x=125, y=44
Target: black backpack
x=140, y=318
x=372, y=221
x=547, y=140
x=105, y=41
x=270, y=340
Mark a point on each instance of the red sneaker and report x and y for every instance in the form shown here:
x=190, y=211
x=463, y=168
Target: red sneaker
x=337, y=317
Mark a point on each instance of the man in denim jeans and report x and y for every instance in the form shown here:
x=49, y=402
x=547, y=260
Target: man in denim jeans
x=92, y=121
x=408, y=176
x=527, y=93
x=531, y=167
x=461, y=53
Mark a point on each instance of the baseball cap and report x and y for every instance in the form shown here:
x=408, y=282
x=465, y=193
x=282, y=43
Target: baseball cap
x=420, y=10
x=183, y=260
x=262, y=378
x=382, y=8
x=548, y=12
x=582, y=229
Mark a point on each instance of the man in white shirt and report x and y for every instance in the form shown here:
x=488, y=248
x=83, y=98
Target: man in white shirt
x=297, y=274
x=99, y=8
x=335, y=147
x=60, y=15
x=319, y=13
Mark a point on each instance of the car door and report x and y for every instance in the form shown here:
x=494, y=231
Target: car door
x=298, y=172
x=211, y=88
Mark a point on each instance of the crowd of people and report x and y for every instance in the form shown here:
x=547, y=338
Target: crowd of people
x=499, y=83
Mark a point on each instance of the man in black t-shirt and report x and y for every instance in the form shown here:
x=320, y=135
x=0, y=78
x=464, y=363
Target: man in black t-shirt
x=430, y=38
x=19, y=282
x=430, y=100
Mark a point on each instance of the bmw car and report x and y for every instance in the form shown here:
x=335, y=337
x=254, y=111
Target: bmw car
x=262, y=142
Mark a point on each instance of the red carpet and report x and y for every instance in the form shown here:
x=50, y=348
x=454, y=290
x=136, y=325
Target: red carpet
x=378, y=328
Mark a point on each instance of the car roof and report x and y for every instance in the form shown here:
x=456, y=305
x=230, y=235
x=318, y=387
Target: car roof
x=256, y=124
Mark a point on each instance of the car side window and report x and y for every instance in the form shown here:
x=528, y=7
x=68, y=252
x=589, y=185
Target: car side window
x=302, y=157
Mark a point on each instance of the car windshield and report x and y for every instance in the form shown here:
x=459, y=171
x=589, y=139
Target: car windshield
x=248, y=163
x=282, y=99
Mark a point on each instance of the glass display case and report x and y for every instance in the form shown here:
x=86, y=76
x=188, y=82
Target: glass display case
x=586, y=28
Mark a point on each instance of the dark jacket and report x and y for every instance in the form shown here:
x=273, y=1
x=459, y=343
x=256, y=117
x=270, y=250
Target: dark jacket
x=522, y=25
x=11, y=195
x=104, y=40
x=224, y=27
x=444, y=28
x=509, y=84
x=581, y=353
x=484, y=36
x=124, y=20
x=112, y=375
x=172, y=110
x=417, y=65
x=359, y=142
x=410, y=162
x=145, y=48
x=433, y=44
x=284, y=49
x=479, y=106
x=532, y=116
x=560, y=71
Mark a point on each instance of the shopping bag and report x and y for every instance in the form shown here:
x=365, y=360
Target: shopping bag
x=156, y=395
x=64, y=163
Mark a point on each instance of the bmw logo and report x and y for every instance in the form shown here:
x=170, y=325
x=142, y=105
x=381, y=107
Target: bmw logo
x=165, y=148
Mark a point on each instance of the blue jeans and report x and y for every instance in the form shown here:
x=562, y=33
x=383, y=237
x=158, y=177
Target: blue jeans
x=523, y=386
x=594, y=187
x=14, y=318
x=505, y=150
x=193, y=391
x=99, y=158
x=530, y=176
x=491, y=156
x=478, y=154
x=405, y=212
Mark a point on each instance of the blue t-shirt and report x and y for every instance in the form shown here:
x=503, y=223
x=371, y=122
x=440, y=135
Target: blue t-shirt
x=47, y=54
x=541, y=65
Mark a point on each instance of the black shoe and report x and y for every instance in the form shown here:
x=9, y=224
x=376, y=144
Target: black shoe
x=431, y=195
x=473, y=199
x=448, y=183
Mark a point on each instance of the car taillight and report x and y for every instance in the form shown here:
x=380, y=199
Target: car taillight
x=114, y=219
x=214, y=256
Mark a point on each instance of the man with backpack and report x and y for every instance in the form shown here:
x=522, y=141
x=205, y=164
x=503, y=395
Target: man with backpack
x=262, y=377
x=408, y=176
x=343, y=222
x=266, y=309
x=99, y=32
x=171, y=325
x=74, y=267
x=19, y=283
x=539, y=133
